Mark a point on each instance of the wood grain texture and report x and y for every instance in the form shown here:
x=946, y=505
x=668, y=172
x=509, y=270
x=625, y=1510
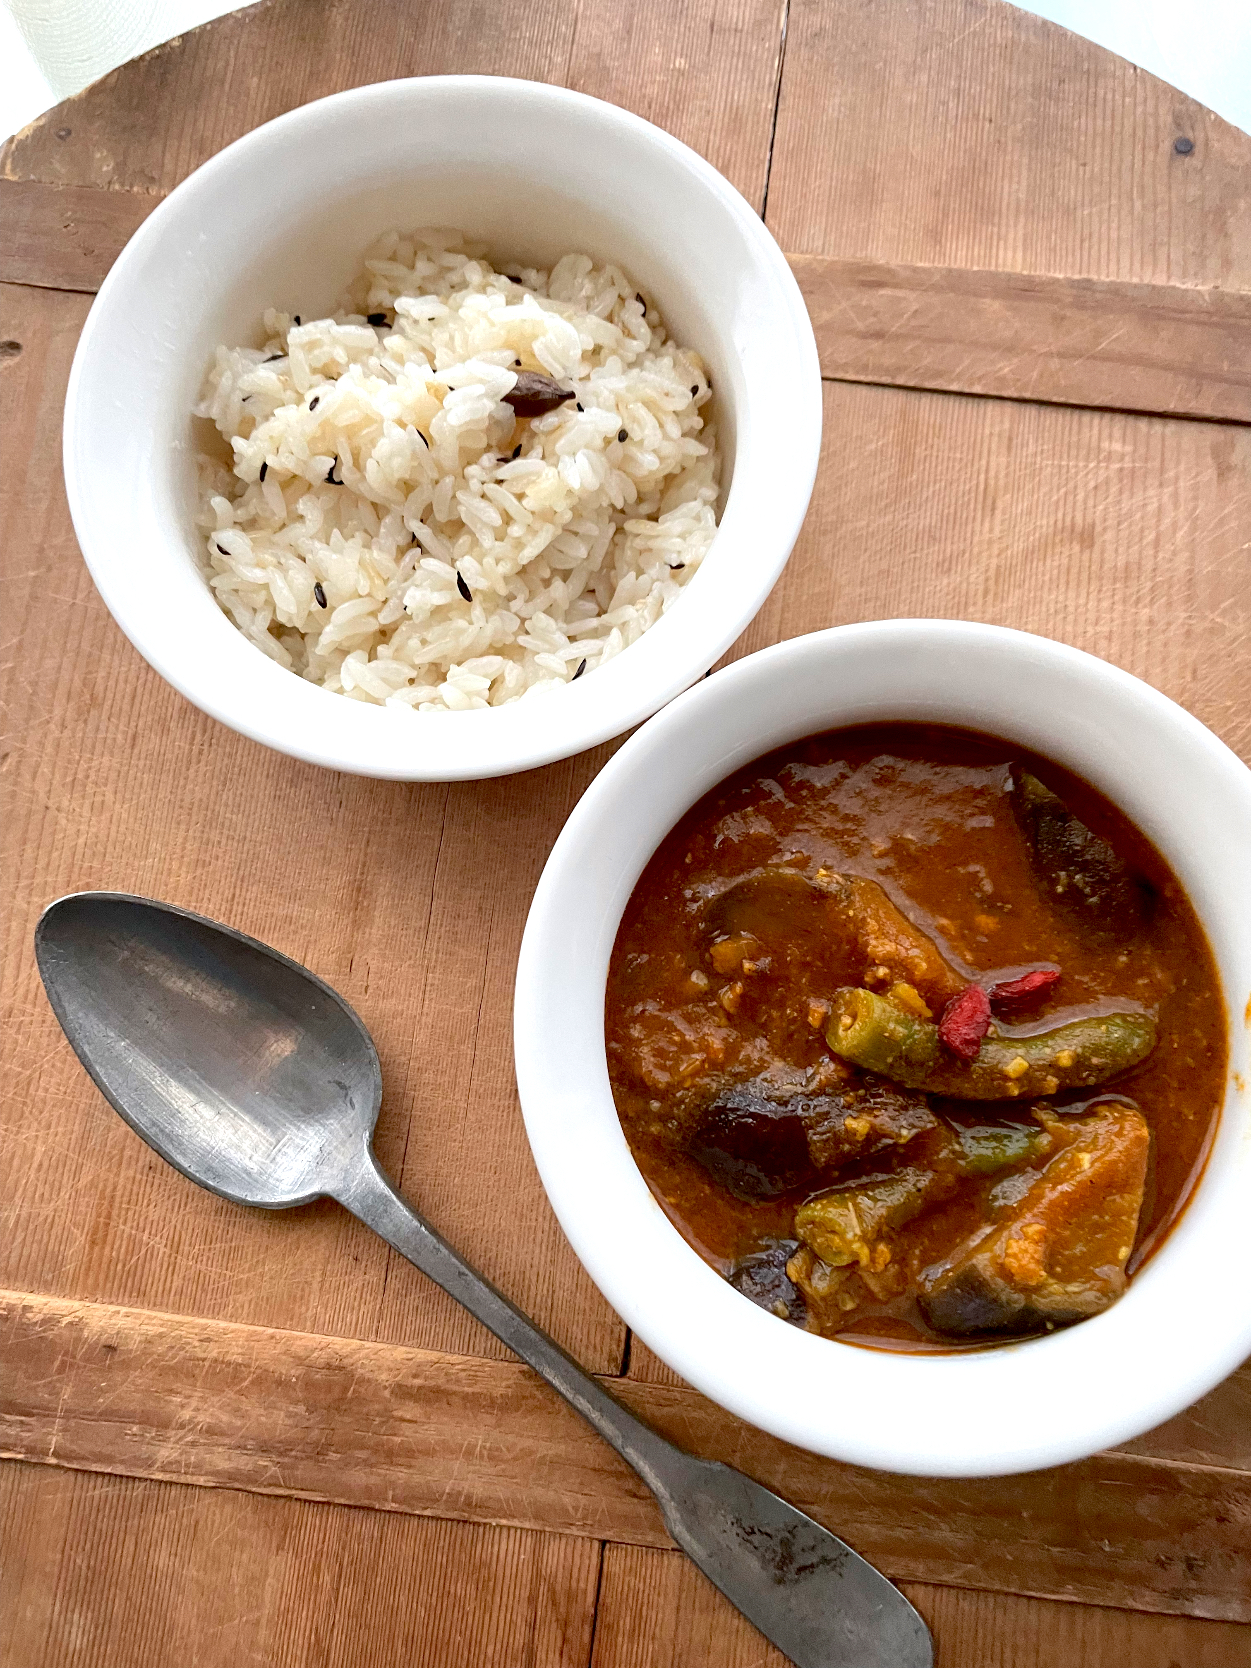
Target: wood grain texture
x=272, y=57
x=647, y=1367
x=1004, y=1630
x=75, y=184
x=65, y=237
x=106, y=1572
x=1126, y=536
x=657, y=1611
x=967, y=133
x=430, y=1434
x=1075, y=341
x=706, y=70
x=425, y=1433
x=1215, y=1431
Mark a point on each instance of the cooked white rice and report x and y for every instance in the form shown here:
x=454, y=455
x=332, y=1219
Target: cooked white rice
x=569, y=539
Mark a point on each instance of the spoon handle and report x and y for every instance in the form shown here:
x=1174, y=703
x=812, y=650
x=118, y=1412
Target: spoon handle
x=370, y=1196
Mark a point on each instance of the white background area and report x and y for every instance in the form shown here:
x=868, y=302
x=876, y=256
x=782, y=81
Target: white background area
x=52, y=48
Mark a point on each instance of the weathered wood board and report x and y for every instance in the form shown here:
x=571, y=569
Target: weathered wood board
x=976, y=204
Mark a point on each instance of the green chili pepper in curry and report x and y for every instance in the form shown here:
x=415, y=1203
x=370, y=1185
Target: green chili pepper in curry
x=872, y=1032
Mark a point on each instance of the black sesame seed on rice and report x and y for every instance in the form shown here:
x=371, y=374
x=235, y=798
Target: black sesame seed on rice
x=385, y=319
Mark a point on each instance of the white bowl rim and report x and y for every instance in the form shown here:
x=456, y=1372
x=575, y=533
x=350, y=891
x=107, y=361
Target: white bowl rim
x=261, y=700
x=1017, y=1407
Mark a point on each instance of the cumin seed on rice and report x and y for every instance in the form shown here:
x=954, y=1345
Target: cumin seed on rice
x=574, y=557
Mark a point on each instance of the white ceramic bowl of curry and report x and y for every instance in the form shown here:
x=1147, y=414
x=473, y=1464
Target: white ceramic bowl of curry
x=1037, y=1401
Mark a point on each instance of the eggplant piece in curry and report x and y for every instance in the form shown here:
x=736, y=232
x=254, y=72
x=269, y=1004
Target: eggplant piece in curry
x=916, y=1038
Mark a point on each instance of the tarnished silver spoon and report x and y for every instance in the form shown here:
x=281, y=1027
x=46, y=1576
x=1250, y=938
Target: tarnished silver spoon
x=254, y=1079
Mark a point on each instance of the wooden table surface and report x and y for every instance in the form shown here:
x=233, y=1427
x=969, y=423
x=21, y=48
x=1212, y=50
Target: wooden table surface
x=237, y=1439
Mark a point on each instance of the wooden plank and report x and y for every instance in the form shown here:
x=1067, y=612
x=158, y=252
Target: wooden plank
x=217, y=82
x=1123, y=535
x=967, y=133
x=363, y=1424
x=1004, y=1630
x=422, y=1433
x=108, y=1570
x=65, y=237
x=657, y=1611
x=1215, y=1431
x=78, y=182
x=1074, y=341
x=648, y=1368
x=1151, y=347
x=705, y=69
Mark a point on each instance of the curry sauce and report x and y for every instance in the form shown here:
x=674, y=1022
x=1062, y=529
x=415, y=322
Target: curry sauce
x=915, y=1037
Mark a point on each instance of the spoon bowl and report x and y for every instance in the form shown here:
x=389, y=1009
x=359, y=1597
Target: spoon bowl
x=242, y=1069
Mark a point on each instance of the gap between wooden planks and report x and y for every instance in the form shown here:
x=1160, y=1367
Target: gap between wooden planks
x=1160, y=348
x=178, y=1398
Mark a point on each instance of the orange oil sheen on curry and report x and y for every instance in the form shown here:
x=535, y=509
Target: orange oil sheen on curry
x=916, y=1038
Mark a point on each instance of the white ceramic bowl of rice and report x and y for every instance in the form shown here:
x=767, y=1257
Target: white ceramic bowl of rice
x=296, y=469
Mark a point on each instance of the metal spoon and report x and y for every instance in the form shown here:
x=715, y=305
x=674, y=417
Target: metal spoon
x=254, y=1079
